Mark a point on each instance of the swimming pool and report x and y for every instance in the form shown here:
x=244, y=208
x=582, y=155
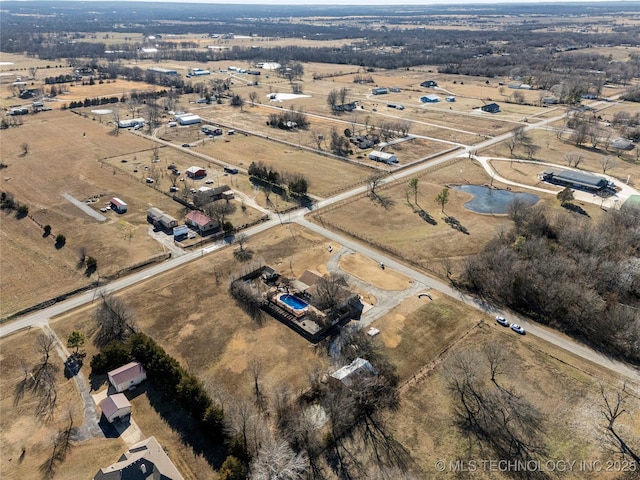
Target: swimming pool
x=493, y=200
x=293, y=304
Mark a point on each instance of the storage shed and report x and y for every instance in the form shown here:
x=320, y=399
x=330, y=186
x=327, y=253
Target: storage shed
x=118, y=205
x=115, y=407
x=383, y=157
x=196, y=172
x=359, y=367
x=127, y=376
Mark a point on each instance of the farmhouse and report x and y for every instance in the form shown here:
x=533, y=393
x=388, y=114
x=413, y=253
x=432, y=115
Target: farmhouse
x=146, y=460
x=357, y=369
x=188, y=119
x=491, y=108
x=380, y=91
x=345, y=107
x=118, y=205
x=196, y=172
x=196, y=72
x=206, y=195
x=429, y=84
x=154, y=215
x=431, y=98
x=127, y=376
x=115, y=407
x=622, y=144
x=134, y=122
x=383, y=157
x=579, y=180
x=201, y=222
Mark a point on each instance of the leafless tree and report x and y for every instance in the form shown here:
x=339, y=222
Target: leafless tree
x=277, y=460
x=253, y=97
x=607, y=163
x=114, y=320
x=248, y=299
x=33, y=72
x=62, y=444
x=573, y=159
x=613, y=407
x=374, y=182
x=116, y=121
x=330, y=292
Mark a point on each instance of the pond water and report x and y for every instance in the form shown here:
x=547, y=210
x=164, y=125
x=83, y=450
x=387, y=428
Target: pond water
x=492, y=200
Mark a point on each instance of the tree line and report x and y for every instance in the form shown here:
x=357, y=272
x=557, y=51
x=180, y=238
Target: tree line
x=580, y=276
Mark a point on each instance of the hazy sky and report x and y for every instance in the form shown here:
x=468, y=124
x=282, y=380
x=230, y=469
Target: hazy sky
x=369, y=2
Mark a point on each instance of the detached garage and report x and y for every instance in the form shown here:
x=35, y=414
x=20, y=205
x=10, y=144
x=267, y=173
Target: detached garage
x=115, y=407
x=127, y=376
x=188, y=119
x=383, y=157
x=118, y=205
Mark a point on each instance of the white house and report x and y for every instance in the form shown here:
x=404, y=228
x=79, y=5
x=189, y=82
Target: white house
x=383, y=157
x=127, y=376
x=133, y=122
x=115, y=407
x=431, y=98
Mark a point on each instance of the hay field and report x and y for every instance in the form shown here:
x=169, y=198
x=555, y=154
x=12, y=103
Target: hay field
x=64, y=150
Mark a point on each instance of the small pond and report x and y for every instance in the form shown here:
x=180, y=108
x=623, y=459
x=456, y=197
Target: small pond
x=491, y=200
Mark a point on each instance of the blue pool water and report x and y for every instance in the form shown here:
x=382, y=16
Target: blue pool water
x=293, y=302
x=491, y=200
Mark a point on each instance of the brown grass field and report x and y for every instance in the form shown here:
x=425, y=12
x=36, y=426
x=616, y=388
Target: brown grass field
x=217, y=342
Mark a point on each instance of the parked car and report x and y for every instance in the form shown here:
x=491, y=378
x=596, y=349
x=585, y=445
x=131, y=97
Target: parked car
x=209, y=182
x=517, y=328
x=173, y=189
x=502, y=321
x=186, y=145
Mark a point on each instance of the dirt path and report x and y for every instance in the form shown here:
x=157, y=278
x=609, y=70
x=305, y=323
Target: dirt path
x=84, y=207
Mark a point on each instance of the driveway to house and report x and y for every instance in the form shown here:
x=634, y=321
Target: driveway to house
x=84, y=207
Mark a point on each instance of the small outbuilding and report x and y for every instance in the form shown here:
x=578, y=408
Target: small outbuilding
x=127, y=376
x=117, y=205
x=349, y=373
x=450, y=99
x=380, y=91
x=115, y=407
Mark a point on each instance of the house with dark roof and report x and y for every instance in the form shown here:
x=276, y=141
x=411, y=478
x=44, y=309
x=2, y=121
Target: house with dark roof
x=146, y=460
x=127, y=376
x=490, y=108
x=429, y=84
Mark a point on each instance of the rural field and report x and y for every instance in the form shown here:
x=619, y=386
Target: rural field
x=555, y=76
x=215, y=340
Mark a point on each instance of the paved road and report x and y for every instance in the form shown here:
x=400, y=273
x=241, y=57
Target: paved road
x=41, y=318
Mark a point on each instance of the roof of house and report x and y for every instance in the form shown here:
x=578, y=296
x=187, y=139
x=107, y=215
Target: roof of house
x=146, y=460
x=155, y=213
x=431, y=97
x=198, y=218
x=622, y=144
x=383, y=155
x=490, y=106
x=113, y=403
x=359, y=365
x=126, y=373
x=195, y=169
x=310, y=277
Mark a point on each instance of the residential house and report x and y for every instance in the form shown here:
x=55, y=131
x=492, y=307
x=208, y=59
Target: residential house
x=383, y=157
x=431, y=98
x=205, y=195
x=201, y=222
x=127, y=376
x=429, y=84
x=146, y=460
x=380, y=91
x=490, y=108
x=574, y=179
